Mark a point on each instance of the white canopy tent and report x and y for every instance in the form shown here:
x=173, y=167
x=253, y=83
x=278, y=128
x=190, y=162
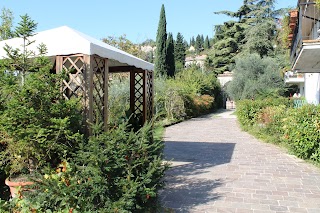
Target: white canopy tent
x=89, y=62
x=67, y=41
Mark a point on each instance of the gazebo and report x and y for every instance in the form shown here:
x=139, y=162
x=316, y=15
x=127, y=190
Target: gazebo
x=89, y=62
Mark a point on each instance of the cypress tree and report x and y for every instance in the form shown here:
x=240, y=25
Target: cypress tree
x=171, y=68
x=180, y=50
x=206, y=43
x=160, y=60
x=202, y=41
x=198, y=45
x=193, y=43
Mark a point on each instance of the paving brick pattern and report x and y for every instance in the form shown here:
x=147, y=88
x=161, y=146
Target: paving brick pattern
x=216, y=167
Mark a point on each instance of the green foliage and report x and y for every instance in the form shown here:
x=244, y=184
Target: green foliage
x=38, y=125
x=21, y=60
x=228, y=40
x=277, y=121
x=256, y=77
x=26, y=27
x=124, y=44
x=206, y=44
x=301, y=132
x=248, y=111
x=179, y=50
x=6, y=18
x=260, y=38
x=199, y=44
x=171, y=69
x=115, y=171
x=160, y=60
x=119, y=100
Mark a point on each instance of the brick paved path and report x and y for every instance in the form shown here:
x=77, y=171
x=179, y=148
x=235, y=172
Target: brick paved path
x=218, y=168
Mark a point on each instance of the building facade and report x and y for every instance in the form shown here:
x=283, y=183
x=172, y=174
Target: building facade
x=305, y=50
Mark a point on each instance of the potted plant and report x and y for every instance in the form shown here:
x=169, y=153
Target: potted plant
x=38, y=126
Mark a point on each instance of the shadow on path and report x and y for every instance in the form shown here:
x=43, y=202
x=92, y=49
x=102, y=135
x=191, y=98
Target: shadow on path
x=187, y=182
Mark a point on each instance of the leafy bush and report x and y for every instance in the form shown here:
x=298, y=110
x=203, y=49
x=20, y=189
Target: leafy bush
x=115, y=171
x=256, y=77
x=248, y=110
x=278, y=121
x=119, y=100
x=270, y=120
x=38, y=126
x=301, y=132
x=191, y=93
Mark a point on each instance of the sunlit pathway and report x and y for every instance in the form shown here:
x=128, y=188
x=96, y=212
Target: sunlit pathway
x=218, y=168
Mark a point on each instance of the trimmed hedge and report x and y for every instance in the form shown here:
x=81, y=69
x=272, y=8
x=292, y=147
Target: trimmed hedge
x=278, y=121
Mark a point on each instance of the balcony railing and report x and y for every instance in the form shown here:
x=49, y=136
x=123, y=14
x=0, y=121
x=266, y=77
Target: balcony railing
x=291, y=77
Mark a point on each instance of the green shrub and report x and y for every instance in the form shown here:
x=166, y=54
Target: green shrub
x=191, y=93
x=38, y=126
x=119, y=100
x=270, y=121
x=115, y=171
x=256, y=77
x=301, y=132
x=248, y=110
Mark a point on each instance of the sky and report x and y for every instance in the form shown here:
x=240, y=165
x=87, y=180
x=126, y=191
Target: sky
x=137, y=19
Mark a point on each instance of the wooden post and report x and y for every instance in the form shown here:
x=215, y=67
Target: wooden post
x=88, y=76
x=132, y=91
x=145, y=92
x=152, y=94
x=59, y=64
x=106, y=94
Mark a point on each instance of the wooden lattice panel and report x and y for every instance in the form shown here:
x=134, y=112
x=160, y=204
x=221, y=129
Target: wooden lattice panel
x=74, y=86
x=149, y=96
x=99, y=72
x=138, y=94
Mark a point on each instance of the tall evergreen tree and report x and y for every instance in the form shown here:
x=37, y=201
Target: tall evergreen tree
x=202, y=41
x=206, y=43
x=228, y=40
x=180, y=50
x=193, y=42
x=261, y=33
x=21, y=58
x=198, y=45
x=161, y=40
x=171, y=68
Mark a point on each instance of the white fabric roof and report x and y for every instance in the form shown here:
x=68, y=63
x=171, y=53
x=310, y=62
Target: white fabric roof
x=65, y=41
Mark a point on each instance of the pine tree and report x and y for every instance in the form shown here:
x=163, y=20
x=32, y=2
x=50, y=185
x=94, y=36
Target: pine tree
x=193, y=42
x=170, y=56
x=180, y=50
x=202, y=41
x=198, y=44
x=206, y=43
x=21, y=58
x=160, y=60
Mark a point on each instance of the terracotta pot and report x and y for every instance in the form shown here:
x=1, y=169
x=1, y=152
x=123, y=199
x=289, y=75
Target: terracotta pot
x=17, y=187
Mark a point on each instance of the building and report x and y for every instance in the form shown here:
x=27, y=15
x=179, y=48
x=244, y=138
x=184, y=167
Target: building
x=305, y=50
x=198, y=60
x=224, y=79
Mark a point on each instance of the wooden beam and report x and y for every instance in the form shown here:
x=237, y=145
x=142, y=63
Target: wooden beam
x=152, y=94
x=88, y=60
x=144, y=102
x=124, y=69
x=132, y=92
x=106, y=94
x=121, y=69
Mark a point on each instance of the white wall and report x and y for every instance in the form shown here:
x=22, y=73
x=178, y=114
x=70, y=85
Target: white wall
x=312, y=87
